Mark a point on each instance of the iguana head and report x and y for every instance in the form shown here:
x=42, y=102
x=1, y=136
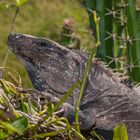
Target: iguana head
x=50, y=65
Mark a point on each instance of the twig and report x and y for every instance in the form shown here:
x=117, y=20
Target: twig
x=11, y=29
x=14, y=19
x=96, y=20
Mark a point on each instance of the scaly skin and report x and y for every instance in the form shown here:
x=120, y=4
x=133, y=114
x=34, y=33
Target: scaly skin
x=54, y=69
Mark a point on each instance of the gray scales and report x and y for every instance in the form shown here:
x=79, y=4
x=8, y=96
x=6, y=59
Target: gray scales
x=54, y=69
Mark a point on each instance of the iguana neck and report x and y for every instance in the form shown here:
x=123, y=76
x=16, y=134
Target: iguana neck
x=51, y=67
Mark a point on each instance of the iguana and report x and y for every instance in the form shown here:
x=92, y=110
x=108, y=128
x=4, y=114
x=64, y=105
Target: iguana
x=55, y=69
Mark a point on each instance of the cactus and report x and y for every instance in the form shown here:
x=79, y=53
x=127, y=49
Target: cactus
x=119, y=33
x=68, y=37
x=133, y=38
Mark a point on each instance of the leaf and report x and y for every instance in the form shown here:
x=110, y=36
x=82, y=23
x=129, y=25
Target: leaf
x=120, y=132
x=9, y=127
x=50, y=107
x=21, y=124
x=20, y=2
x=18, y=126
x=2, y=134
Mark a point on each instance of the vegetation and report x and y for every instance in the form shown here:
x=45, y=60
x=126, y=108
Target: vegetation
x=119, y=33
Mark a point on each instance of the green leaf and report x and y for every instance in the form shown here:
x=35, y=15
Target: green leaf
x=20, y=2
x=20, y=124
x=120, y=132
x=50, y=107
x=10, y=128
x=2, y=134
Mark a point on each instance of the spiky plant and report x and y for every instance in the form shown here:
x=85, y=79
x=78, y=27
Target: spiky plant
x=119, y=33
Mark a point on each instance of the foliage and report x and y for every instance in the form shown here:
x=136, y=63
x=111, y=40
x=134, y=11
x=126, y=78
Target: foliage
x=20, y=2
x=68, y=37
x=120, y=132
x=23, y=115
x=119, y=32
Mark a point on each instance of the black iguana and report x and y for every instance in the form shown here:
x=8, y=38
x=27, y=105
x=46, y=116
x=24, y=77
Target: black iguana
x=54, y=69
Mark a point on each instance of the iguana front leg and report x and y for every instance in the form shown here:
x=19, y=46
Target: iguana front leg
x=87, y=117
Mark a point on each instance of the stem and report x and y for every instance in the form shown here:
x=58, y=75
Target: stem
x=11, y=29
x=96, y=20
x=14, y=19
x=62, y=100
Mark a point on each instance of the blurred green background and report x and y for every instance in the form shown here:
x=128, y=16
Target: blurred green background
x=43, y=18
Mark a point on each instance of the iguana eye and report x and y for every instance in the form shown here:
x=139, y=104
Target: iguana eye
x=19, y=37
